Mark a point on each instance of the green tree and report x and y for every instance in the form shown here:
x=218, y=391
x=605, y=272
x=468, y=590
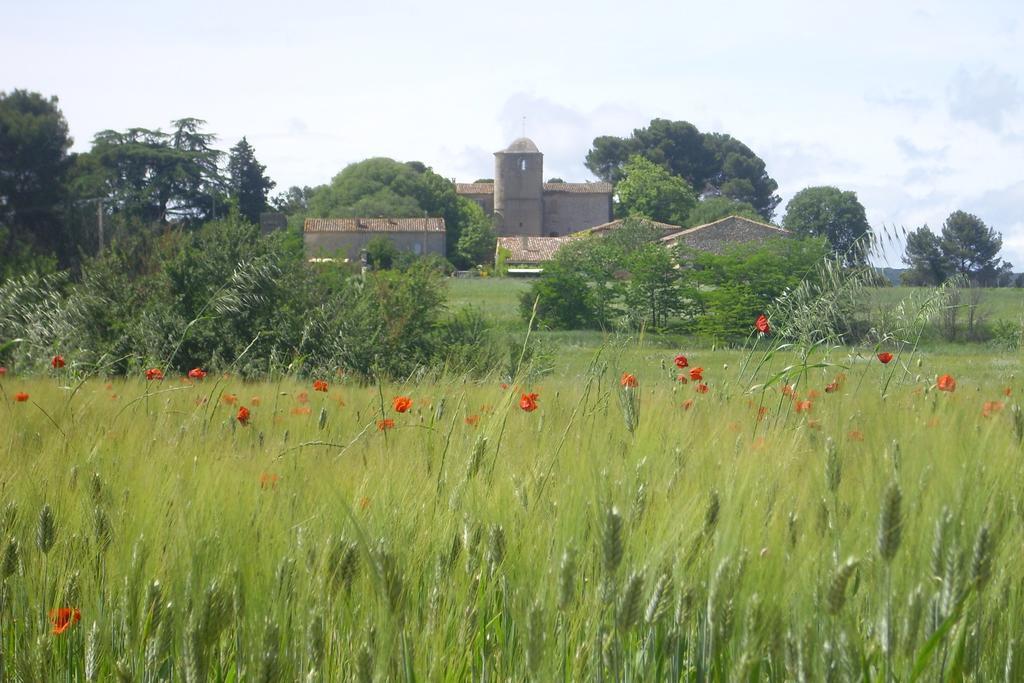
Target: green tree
x=831, y=213
x=563, y=296
x=712, y=163
x=34, y=163
x=381, y=253
x=478, y=241
x=929, y=266
x=648, y=190
x=248, y=181
x=972, y=248
x=733, y=287
x=385, y=187
x=716, y=208
x=652, y=292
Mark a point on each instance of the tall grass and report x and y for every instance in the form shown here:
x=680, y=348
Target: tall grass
x=875, y=536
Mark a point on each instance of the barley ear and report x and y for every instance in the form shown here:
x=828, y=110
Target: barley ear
x=890, y=528
x=46, y=531
x=611, y=541
x=836, y=597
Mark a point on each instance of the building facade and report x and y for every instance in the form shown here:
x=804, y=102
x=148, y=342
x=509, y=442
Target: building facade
x=346, y=238
x=523, y=204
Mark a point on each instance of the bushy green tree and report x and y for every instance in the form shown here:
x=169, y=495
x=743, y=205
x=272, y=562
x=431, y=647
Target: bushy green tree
x=649, y=191
x=834, y=214
x=563, y=299
x=709, y=162
x=34, y=164
x=381, y=253
x=928, y=264
x=972, y=248
x=734, y=287
x=716, y=208
x=477, y=243
x=652, y=293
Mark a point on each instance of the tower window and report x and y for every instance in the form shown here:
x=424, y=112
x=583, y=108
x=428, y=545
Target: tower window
x=522, y=164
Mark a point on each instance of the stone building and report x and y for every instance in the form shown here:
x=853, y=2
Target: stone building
x=722, y=234
x=346, y=237
x=523, y=204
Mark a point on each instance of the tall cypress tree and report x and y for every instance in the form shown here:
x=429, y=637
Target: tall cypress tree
x=249, y=183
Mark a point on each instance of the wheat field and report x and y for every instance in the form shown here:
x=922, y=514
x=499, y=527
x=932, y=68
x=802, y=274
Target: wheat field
x=615, y=533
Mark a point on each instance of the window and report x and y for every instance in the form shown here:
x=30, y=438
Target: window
x=522, y=164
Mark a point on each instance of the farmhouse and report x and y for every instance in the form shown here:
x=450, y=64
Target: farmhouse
x=724, y=233
x=525, y=255
x=347, y=237
x=523, y=204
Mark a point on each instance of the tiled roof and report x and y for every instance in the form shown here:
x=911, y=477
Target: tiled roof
x=616, y=224
x=521, y=145
x=374, y=225
x=529, y=249
x=474, y=188
x=579, y=188
x=723, y=222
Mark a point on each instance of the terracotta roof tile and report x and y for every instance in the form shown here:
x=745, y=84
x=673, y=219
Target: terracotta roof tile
x=579, y=188
x=530, y=249
x=374, y=225
x=474, y=188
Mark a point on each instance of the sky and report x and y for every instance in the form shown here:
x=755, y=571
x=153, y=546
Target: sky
x=918, y=107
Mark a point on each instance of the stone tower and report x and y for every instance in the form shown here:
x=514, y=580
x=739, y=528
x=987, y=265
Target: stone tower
x=519, y=189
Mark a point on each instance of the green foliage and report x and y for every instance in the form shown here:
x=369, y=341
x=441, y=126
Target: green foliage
x=381, y=252
x=716, y=208
x=477, y=243
x=648, y=190
x=34, y=164
x=972, y=248
x=248, y=181
x=563, y=298
x=928, y=265
x=831, y=213
x=733, y=288
x=707, y=161
x=652, y=293
x=385, y=187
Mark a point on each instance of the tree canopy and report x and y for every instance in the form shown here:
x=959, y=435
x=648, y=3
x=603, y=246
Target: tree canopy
x=385, y=187
x=831, y=213
x=34, y=164
x=649, y=191
x=248, y=181
x=712, y=163
x=972, y=248
x=716, y=208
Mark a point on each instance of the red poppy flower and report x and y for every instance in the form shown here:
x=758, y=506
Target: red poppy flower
x=154, y=374
x=320, y=385
x=228, y=399
x=302, y=410
x=687, y=404
x=57, y=362
x=802, y=406
x=472, y=420
x=701, y=388
x=3, y=371
x=242, y=416
x=628, y=381
x=696, y=374
x=681, y=361
x=992, y=407
x=683, y=379
x=401, y=404
x=762, y=324
x=856, y=435
x=63, y=618
x=21, y=397
x=385, y=424
x=302, y=397
x=885, y=357
x=831, y=387
x=787, y=390
x=268, y=480
x=946, y=383
x=528, y=402
x=196, y=373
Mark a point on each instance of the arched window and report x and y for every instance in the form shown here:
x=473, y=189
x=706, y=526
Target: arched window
x=522, y=164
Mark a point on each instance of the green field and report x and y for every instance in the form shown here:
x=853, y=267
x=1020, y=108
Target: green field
x=611, y=534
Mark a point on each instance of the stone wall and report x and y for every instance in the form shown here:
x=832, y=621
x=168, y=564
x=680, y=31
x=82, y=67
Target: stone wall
x=328, y=244
x=566, y=212
x=720, y=235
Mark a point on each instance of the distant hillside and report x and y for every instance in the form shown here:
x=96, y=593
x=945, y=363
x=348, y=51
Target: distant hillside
x=892, y=274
